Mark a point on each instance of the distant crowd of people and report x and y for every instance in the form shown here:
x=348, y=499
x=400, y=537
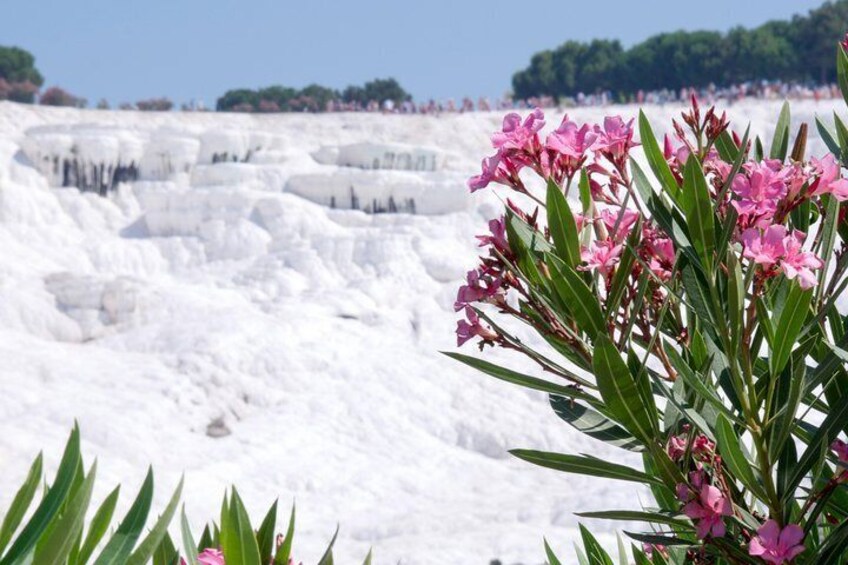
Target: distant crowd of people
x=762, y=90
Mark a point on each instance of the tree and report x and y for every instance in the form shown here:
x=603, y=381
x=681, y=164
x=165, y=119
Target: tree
x=18, y=65
x=56, y=96
x=239, y=97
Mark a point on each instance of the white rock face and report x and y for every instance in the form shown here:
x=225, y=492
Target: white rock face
x=207, y=295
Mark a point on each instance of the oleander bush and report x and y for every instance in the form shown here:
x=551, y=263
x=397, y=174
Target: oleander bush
x=57, y=523
x=686, y=291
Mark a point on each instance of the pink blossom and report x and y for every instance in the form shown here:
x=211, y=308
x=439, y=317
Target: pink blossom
x=799, y=264
x=569, y=140
x=662, y=257
x=497, y=239
x=466, y=330
x=600, y=255
x=764, y=248
x=759, y=191
x=841, y=449
x=616, y=137
x=828, y=181
x=676, y=447
x=777, y=545
x=493, y=170
x=610, y=217
x=477, y=289
x=709, y=509
x=209, y=556
x=517, y=136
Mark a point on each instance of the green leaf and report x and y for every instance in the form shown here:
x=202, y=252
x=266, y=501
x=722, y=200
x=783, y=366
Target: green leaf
x=99, y=525
x=697, y=205
x=562, y=226
x=54, y=550
x=154, y=537
x=166, y=553
x=655, y=158
x=638, y=516
x=513, y=377
x=585, y=465
x=788, y=327
x=266, y=533
x=733, y=456
x=593, y=424
x=842, y=71
x=284, y=552
x=327, y=558
x=50, y=504
x=581, y=301
x=727, y=149
x=21, y=502
x=585, y=192
x=368, y=557
x=621, y=394
x=552, y=558
x=780, y=140
x=828, y=138
x=189, y=546
x=596, y=554
x=237, y=537
x=119, y=547
x=834, y=422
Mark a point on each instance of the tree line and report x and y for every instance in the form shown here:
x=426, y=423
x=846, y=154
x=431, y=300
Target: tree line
x=313, y=98
x=798, y=49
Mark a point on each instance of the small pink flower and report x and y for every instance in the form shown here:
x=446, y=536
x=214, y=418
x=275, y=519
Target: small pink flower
x=708, y=509
x=517, y=136
x=759, y=191
x=492, y=171
x=799, y=264
x=841, y=449
x=844, y=42
x=610, y=217
x=777, y=545
x=616, y=137
x=661, y=254
x=209, y=556
x=569, y=140
x=600, y=255
x=497, y=239
x=676, y=447
x=828, y=181
x=764, y=248
x=466, y=330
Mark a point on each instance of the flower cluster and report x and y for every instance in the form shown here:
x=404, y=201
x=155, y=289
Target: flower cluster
x=778, y=250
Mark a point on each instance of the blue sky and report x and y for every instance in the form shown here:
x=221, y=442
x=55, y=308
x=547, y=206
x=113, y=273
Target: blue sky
x=191, y=49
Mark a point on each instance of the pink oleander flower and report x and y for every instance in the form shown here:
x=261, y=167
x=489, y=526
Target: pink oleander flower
x=517, y=136
x=661, y=255
x=610, y=217
x=466, y=330
x=777, y=545
x=615, y=139
x=571, y=142
x=676, y=447
x=764, y=248
x=708, y=509
x=477, y=289
x=799, y=264
x=759, y=191
x=497, y=237
x=844, y=42
x=828, y=181
x=209, y=556
x=841, y=449
x=777, y=247
x=602, y=256
x=493, y=170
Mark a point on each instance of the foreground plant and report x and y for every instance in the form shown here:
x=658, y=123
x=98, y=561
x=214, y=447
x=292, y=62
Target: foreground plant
x=57, y=531
x=690, y=317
